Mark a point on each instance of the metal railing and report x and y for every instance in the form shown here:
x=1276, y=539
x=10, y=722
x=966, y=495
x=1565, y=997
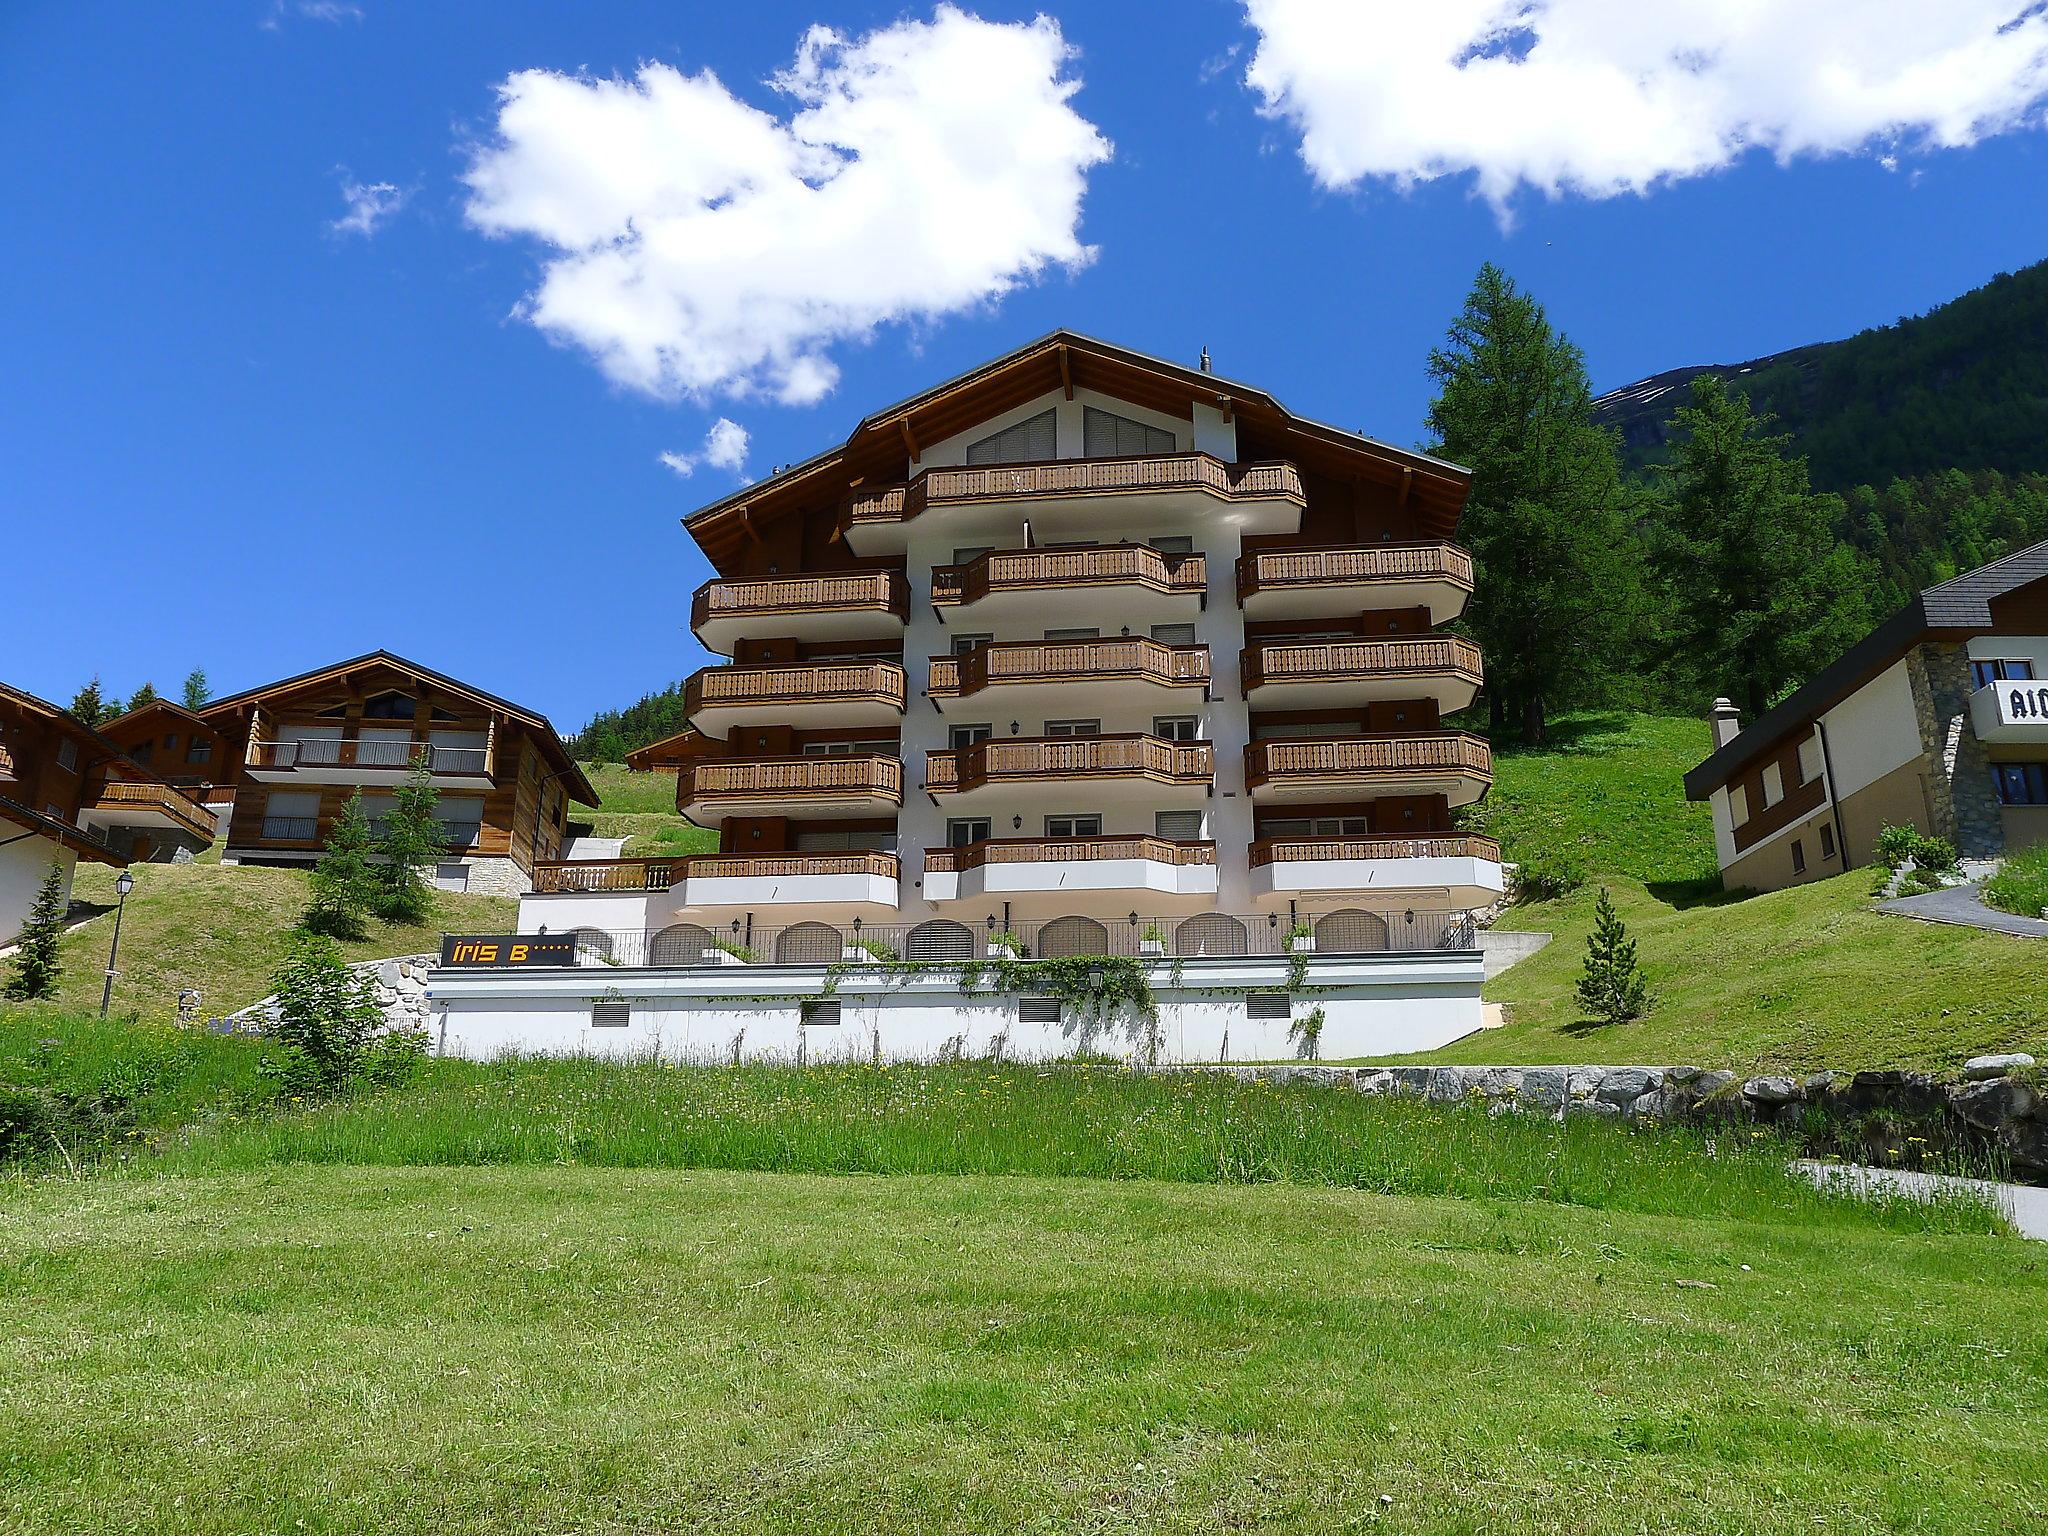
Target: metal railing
x=1334, y=660
x=1024, y=570
x=554, y=876
x=945, y=941
x=1009, y=760
x=848, y=591
x=1276, y=481
x=1347, y=564
x=1055, y=661
x=323, y=753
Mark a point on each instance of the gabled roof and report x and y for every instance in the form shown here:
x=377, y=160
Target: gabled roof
x=154, y=706
x=1068, y=360
x=66, y=722
x=686, y=745
x=551, y=744
x=1958, y=608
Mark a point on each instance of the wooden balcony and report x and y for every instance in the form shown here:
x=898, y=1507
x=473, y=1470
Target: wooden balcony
x=822, y=694
x=1067, y=850
x=1454, y=764
x=841, y=605
x=1321, y=673
x=1455, y=869
x=552, y=877
x=1032, y=573
x=1082, y=872
x=329, y=761
x=1141, y=759
x=714, y=789
x=1131, y=660
x=1342, y=579
x=1076, y=494
x=135, y=804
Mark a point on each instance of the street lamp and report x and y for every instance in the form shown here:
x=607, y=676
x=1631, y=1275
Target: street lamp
x=124, y=883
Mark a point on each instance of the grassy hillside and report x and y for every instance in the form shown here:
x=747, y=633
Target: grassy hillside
x=641, y=807
x=224, y=930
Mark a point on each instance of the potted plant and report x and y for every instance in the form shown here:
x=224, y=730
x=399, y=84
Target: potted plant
x=1004, y=946
x=1152, y=941
x=1301, y=939
x=732, y=952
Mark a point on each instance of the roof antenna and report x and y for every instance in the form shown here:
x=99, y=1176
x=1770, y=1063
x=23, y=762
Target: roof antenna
x=1205, y=359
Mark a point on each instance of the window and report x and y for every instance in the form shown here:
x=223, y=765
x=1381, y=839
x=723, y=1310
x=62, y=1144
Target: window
x=1038, y=1010
x=2021, y=783
x=2016, y=669
x=1774, y=784
x=1106, y=435
x=1073, y=634
x=841, y=840
x=971, y=554
x=1025, y=443
x=1738, y=805
x=818, y=1010
x=1268, y=1005
x=959, y=736
x=451, y=877
x=1809, y=760
x=1177, y=826
x=882, y=747
x=1177, y=727
x=1318, y=826
x=170, y=741
x=1073, y=826
x=1173, y=544
x=1798, y=857
x=962, y=644
x=610, y=1015
x=1827, y=841
x=144, y=751
x=198, y=751
x=1174, y=634
x=391, y=706
x=67, y=755
x=1073, y=727
x=962, y=830
x=1287, y=730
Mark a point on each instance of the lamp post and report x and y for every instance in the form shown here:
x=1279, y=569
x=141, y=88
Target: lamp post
x=124, y=883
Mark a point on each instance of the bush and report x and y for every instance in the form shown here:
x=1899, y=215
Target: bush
x=1548, y=879
x=1896, y=845
x=329, y=1026
x=2021, y=884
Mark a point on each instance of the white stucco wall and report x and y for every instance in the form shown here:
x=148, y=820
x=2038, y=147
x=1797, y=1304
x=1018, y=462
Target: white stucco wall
x=1872, y=732
x=23, y=864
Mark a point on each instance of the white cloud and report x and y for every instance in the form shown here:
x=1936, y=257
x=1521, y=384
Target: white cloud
x=699, y=245
x=332, y=11
x=725, y=447
x=370, y=206
x=1603, y=97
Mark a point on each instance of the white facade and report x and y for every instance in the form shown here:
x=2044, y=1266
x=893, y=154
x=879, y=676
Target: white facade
x=25, y=859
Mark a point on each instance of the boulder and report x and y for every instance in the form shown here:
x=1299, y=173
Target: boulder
x=1988, y=1105
x=1543, y=1088
x=1770, y=1090
x=1979, y=1069
x=1624, y=1085
x=1599, y=1109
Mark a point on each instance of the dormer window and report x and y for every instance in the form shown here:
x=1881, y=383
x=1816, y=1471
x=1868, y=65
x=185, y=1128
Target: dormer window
x=1026, y=443
x=1106, y=435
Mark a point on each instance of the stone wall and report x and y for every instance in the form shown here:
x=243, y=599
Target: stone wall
x=498, y=877
x=1897, y=1119
x=1965, y=806
x=399, y=985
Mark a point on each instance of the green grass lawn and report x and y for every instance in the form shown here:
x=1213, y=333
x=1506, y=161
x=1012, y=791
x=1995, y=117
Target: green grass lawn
x=224, y=930
x=564, y=1349
x=641, y=808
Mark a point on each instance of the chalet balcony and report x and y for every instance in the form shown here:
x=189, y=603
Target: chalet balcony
x=828, y=881
x=1340, y=580
x=841, y=605
x=328, y=761
x=1453, y=764
x=856, y=785
x=1075, y=497
x=2013, y=710
x=819, y=695
x=1455, y=870
x=1091, y=675
x=1083, y=871
x=146, y=805
x=1043, y=584
x=1138, y=769
x=1342, y=673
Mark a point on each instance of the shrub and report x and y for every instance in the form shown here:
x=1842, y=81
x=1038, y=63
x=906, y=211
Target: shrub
x=35, y=954
x=1548, y=879
x=1898, y=844
x=1307, y=1031
x=2021, y=884
x=1612, y=987
x=327, y=1018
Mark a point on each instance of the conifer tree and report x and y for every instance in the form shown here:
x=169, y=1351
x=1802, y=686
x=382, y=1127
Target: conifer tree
x=146, y=694
x=410, y=841
x=345, y=886
x=35, y=954
x=89, y=706
x=197, y=691
x=1612, y=987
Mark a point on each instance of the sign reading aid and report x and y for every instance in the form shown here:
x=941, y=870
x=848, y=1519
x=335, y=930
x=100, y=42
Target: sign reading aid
x=505, y=950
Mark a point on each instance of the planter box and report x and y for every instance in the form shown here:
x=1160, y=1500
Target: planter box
x=1152, y=947
x=1003, y=952
x=1305, y=945
x=725, y=957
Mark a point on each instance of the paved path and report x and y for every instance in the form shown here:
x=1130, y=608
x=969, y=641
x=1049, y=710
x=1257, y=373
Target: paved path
x=1959, y=904
x=2025, y=1205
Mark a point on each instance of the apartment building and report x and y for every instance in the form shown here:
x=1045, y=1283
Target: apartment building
x=282, y=760
x=1938, y=719
x=68, y=793
x=1080, y=653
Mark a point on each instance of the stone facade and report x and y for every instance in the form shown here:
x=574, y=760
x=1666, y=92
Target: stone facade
x=1965, y=805
x=498, y=877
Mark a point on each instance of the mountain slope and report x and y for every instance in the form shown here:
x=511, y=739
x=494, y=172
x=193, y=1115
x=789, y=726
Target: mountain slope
x=1964, y=386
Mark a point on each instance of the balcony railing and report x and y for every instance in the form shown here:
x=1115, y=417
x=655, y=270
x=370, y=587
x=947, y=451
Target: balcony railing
x=1067, y=850
x=1319, y=661
x=839, y=592
x=551, y=876
x=854, y=776
x=1061, y=757
x=290, y=829
x=1311, y=760
x=1137, y=658
x=1284, y=570
x=118, y=795
x=1316, y=850
x=879, y=682
x=943, y=941
x=1076, y=477
x=1029, y=570
x=468, y=761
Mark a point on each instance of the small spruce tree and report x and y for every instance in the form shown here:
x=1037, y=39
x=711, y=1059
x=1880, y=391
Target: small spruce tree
x=89, y=706
x=35, y=955
x=1612, y=988
x=410, y=841
x=198, y=692
x=146, y=694
x=327, y=1016
x=345, y=886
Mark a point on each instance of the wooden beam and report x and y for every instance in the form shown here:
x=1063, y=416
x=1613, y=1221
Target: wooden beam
x=1066, y=374
x=1407, y=484
x=1228, y=407
x=909, y=441
x=746, y=521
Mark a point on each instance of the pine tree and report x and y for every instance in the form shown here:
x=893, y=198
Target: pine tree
x=146, y=694
x=410, y=841
x=35, y=955
x=89, y=706
x=1556, y=557
x=197, y=691
x=1612, y=987
x=345, y=885
x=327, y=1014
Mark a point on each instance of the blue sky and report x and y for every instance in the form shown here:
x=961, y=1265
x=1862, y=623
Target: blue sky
x=233, y=436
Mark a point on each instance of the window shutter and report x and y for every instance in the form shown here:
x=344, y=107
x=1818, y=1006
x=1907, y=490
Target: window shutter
x=1025, y=443
x=1174, y=634
x=1177, y=826
x=1106, y=435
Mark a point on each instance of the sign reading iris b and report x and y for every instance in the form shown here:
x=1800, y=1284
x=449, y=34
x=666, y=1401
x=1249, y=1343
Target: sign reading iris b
x=510, y=949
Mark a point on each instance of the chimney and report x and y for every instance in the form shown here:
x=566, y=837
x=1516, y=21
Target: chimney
x=1725, y=721
x=1205, y=359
